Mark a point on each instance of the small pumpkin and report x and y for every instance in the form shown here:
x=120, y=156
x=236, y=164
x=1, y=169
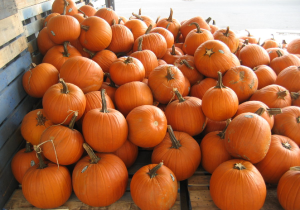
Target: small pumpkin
x=289, y=78
x=44, y=42
x=64, y=6
x=128, y=153
x=174, y=24
x=166, y=34
x=270, y=43
x=88, y=10
x=293, y=46
x=104, y=58
x=137, y=27
x=283, y=61
x=108, y=15
x=199, y=89
x=253, y=55
x=273, y=53
x=187, y=26
x=265, y=75
x=251, y=39
x=172, y=55
x=228, y=37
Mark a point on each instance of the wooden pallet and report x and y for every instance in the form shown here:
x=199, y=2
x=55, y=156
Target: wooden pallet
x=200, y=199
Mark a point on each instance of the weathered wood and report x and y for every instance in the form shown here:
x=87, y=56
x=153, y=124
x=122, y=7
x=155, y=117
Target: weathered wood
x=33, y=27
x=27, y=3
x=12, y=50
x=32, y=46
x=34, y=10
x=198, y=181
x=10, y=28
x=7, y=8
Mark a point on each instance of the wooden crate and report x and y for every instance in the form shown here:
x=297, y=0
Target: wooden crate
x=200, y=199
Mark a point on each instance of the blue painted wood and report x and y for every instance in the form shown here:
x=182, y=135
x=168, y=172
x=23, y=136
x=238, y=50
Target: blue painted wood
x=7, y=8
x=34, y=10
x=8, y=74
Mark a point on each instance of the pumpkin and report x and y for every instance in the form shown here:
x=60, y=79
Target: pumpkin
x=61, y=100
x=233, y=177
x=187, y=87
x=219, y=103
x=295, y=98
x=122, y=20
x=94, y=101
x=22, y=161
x=46, y=186
x=242, y=80
x=64, y=6
x=172, y=55
x=293, y=46
x=274, y=96
x=88, y=10
x=228, y=37
x=283, y=61
x=161, y=62
x=33, y=125
x=44, y=42
x=80, y=49
x=131, y=95
x=248, y=136
x=96, y=34
x=163, y=79
x=251, y=39
x=283, y=44
x=128, y=153
x=105, y=129
x=39, y=78
x=288, y=189
x=137, y=27
x=166, y=34
x=110, y=88
x=212, y=125
x=213, y=151
x=242, y=44
x=178, y=146
x=288, y=123
x=199, y=89
x=99, y=179
x=146, y=187
x=126, y=69
x=174, y=24
x=265, y=75
x=187, y=26
x=213, y=27
x=80, y=17
x=48, y=18
x=147, y=126
x=253, y=55
x=289, y=78
x=270, y=43
x=108, y=15
x=283, y=154
x=273, y=53
x=104, y=59
x=83, y=72
x=146, y=19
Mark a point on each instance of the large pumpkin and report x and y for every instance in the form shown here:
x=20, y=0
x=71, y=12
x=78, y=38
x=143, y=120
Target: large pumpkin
x=137, y=27
x=253, y=55
x=265, y=75
x=283, y=61
x=228, y=37
x=108, y=15
x=289, y=78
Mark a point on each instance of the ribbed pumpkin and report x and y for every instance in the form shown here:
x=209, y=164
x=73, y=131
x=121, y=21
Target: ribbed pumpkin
x=108, y=15
x=220, y=103
x=199, y=89
x=251, y=39
x=288, y=123
x=105, y=130
x=283, y=61
x=33, y=125
x=147, y=58
x=228, y=37
x=253, y=55
x=212, y=126
x=61, y=100
x=187, y=87
x=58, y=54
x=163, y=79
x=137, y=27
x=104, y=58
x=126, y=69
x=131, y=95
x=270, y=43
x=288, y=189
x=128, y=153
x=46, y=186
x=94, y=101
x=161, y=62
x=274, y=96
x=22, y=161
x=110, y=88
x=213, y=27
x=146, y=187
x=178, y=146
x=83, y=72
x=48, y=18
x=172, y=54
x=273, y=53
x=146, y=19
x=187, y=26
x=195, y=38
x=174, y=24
x=166, y=34
x=242, y=81
x=80, y=17
x=44, y=42
x=283, y=154
x=147, y=126
x=39, y=78
x=64, y=6
x=232, y=178
x=293, y=46
x=80, y=49
x=96, y=34
x=248, y=136
x=265, y=75
x=213, y=151
x=213, y=56
x=87, y=10
x=289, y=78
x=99, y=179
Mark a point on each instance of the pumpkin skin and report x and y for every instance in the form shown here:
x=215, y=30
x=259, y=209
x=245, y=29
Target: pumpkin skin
x=128, y=153
x=157, y=192
x=137, y=27
x=212, y=126
x=110, y=89
x=104, y=59
x=58, y=7
x=242, y=80
x=147, y=126
x=293, y=46
x=187, y=27
x=61, y=100
x=253, y=55
x=101, y=180
x=199, y=89
x=187, y=87
x=22, y=161
x=288, y=123
x=253, y=146
x=283, y=61
x=228, y=37
x=166, y=34
x=80, y=17
x=251, y=39
x=288, y=189
x=178, y=146
x=270, y=43
x=146, y=19
x=131, y=95
x=44, y=42
x=94, y=101
x=33, y=125
x=172, y=55
x=228, y=181
x=80, y=49
x=283, y=154
x=108, y=15
x=49, y=17
x=38, y=79
x=161, y=62
x=265, y=75
x=273, y=53
x=174, y=24
x=83, y=72
x=289, y=78
x=88, y=10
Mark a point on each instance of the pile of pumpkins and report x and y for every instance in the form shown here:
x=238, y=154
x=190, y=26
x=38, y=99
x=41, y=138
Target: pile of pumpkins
x=129, y=83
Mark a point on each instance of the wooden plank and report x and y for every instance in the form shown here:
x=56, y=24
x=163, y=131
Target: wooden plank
x=198, y=181
x=12, y=50
x=33, y=27
x=80, y=5
x=32, y=46
x=10, y=28
x=8, y=8
x=34, y=10
x=27, y=3
x=8, y=74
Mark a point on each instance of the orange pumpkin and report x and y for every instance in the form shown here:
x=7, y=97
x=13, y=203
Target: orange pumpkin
x=293, y=46
x=128, y=153
x=289, y=78
x=137, y=27
x=110, y=88
x=212, y=126
x=228, y=37
x=265, y=75
x=88, y=10
x=64, y=6
x=172, y=55
x=104, y=58
x=174, y=24
x=251, y=39
x=146, y=19
x=199, y=89
x=187, y=26
x=166, y=34
x=253, y=55
x=273, y=52
x=44, y=42
x=108, y=15
x=283, y=61
x=49, y=17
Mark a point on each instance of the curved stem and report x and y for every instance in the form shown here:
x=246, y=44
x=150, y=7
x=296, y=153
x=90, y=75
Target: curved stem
x=84, y=15
x=40, y=119
x=73, y=120
x=89, y=52
x=66, y=4
x=140, y=11
x=298, y=119
x=94, y=158
x=38, y=151
x=208, y=20
x=227, y=32
x=260, y=111
x=179, y=96
x=66, y=53
x=248, y=33
x=152, y=172
x=214, y=22
x=148, y=29
x=222, y=133
x=173, y=52
x=220, y=83
x=137, y=16
x=119, y=21
x=177, y=37
x=198, y=27
x=186, y=63
x=286, y=145
x=111, y=84
x=104, y=106
x=239, y=166
x=295, y=95
x=157, y=19
x=175, y=143
x=28, y=147
x=274, y=111
x=170, y=74
x=65, y=87
x=282, y=94
x=170, y=18
x=279, y=53
x=140, y=45
x=33, y=65
x=128, y=60
x=113, y=22
x=86, y=28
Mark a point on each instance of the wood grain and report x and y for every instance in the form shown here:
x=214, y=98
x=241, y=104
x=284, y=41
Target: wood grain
x=10, y=28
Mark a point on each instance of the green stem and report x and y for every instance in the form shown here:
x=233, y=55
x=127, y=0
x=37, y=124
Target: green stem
x=220, y=83
x=152, y=173
x=94, y=158
x=179, y=96
x=65, y=89
x=198, y=27
x=73, y=120
x=175, y=143
x=66, y=53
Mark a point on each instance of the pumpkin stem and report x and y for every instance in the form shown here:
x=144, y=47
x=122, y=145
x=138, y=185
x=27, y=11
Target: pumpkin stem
x=258, y=41
x=273, y=38
x=84, y=15
x=137, y=16
x=128, y=60
x=298, y=119
x=208, y=20
x=33, y=65
x=177, y=37
x=286, y=145
x=175, y=143
x=222, y=133
x=40, y=118
x=157, y=19
x=65, y=89
x=140, y=45
x=94, y=158
x=198, y=27
x=111, y=84
x=72, y=123
x=295, y=95
x=170, y=74
x=86, y=28
x=89, y=52
x=209, y=52
x=282, y=94
x=152, y=173
x=168, y=25
x=140, y=11
x=104, y=106
x=279, y=53
x=274, y=111
x=173, y=52
x=227, y=32
x=113, y=22
x=239, y=166
x=148, y=29
x=186, y=63
x=179, y=96
x=119, y=21
x=255, y=68
x=66, y=4
x=260, y=111
x=170, y=19
x=27, y=147
x=214, y=22
x=248, y=32
x=295, y=168
x=38, y=151
x=220, y=83
x=66, y=53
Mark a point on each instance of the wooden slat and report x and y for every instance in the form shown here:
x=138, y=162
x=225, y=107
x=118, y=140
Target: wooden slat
x=7, y=8
x=33, y=27
x=27, y=3
x=80, y=5
x=12, y=50
x=32, y=46
x=8, y=74
x=35, y=10
x=10, y=28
